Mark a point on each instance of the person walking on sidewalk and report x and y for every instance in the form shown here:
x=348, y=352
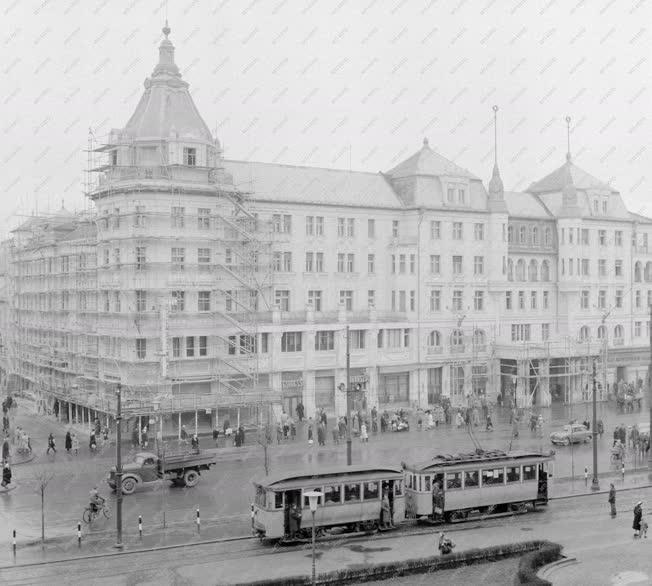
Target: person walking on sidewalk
x=68, y=442
x=638, y=515
x=51, y=445
x=75, y=444
x=612, y=499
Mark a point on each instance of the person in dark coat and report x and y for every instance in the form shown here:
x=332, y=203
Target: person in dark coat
x=6, y=474
x=184, y=433
x=310, y=434
x=194, y=442
x=68, y=443
x=134, y=437
x=612, y=499
x=216, y=435
x=5, y=449
x=638, y=515
x=300, y=411
x=321, y=434
x=92, y=441
x=295, y=520
x=51, y=445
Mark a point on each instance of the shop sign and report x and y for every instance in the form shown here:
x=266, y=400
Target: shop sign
x=295, y=382
x=360, y=378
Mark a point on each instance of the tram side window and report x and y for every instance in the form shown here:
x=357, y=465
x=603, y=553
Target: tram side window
x=278, y=500
x=351, y=492
x=426, y=483
x=471, y=478
x=332, y=494
x=398, y=487
x=496, y=476
x=514, y=474
x=529, y=473
x=453, y=480
x=371, y=490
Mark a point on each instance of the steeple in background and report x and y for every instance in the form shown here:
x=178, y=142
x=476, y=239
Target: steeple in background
x=496, y=187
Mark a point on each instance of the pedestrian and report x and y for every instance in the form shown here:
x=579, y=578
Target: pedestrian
x=638, y=515
x=184, y=434
x=321, y=433
x=216, y=435
x=644, y=527
x=612, y=499
x=336, y=434
x=51, y=444
x=600, y=427
x=445, y=544
x=195, y=443
x=5, y=449
x=300, y=411
x=293, y=430
x=279, y=433
x=6, y=474
x=490, y=425
x=459, y=420
x=310, y=442
x=68, y=442
x=75, y=444
x=385, y=513
x=143, y=437
x=134, y=437
x=363, y=433
x=92, y=442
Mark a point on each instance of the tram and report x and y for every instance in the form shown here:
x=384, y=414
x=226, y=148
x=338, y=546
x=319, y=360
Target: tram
x=351, y=501
x=451, y=488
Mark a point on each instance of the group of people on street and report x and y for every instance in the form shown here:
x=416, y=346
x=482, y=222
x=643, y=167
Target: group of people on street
x=639, y=524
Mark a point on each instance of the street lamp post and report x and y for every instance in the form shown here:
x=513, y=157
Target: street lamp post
x=313, y=499
x=649, y=382
x=118, y=468
x=349, y=422
x=595, y=484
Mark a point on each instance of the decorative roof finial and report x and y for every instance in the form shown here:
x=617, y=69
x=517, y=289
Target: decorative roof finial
x=568, y=152
x=495, y=109
x=425, y=142
x=166, y=29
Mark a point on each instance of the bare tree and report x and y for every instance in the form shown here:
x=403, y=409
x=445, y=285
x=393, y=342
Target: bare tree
x=42, y=477
x=264, y=438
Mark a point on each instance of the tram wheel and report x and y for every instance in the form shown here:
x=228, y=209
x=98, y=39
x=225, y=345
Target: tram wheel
x=458, y=516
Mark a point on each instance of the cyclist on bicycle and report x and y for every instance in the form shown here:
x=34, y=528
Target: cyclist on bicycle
x=96, y=500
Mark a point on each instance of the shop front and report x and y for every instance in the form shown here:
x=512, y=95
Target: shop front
x=394, y=389
x=359, y=380
x=291, y=391
x=325, y=391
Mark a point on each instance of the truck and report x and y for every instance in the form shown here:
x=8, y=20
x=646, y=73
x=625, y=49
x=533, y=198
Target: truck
x=181, y=468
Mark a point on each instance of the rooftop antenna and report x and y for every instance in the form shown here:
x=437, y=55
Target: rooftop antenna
x=568, y=152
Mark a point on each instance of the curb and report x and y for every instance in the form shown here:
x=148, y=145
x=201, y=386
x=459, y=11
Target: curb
x=545, y=571
x=601, y=491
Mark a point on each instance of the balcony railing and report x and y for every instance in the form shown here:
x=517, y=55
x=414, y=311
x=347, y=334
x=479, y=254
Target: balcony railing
x=435, y=350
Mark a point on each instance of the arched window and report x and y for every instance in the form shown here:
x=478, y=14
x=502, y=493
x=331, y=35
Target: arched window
x=545, y=271
x=510, y=234
x=595, y=206
x=479, y=340
x=637, y=272
x=532, y=271
x=521, y=235
x=585, y=333
x=535, y=236
x=648, y=272
x=548, y=237
x=510, y=270
x=602, y=332
x=457, y=341
x=434, y=339
x=520, y=270
x=619, y=333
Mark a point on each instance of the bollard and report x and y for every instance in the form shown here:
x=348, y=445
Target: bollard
x=14, y=542
x=79, y=534
x=586, y=475
x=140, y=526
x=198, y=522
x=252, y=515
x=622, y=471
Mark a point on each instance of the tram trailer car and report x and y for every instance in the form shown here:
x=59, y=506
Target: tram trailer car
x=487, y=483
x=352, y=499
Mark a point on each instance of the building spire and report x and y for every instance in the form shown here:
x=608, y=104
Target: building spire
x=496, y=187
x=166, y=64
x=568, y=151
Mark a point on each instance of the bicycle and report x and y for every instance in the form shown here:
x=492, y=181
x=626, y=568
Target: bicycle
x=91, y=514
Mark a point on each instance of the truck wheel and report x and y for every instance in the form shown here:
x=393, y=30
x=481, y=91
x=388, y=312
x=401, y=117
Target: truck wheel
x=128, y=485
x=191, y=477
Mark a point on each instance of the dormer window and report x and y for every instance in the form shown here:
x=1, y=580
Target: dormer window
x=189, y=156
x=461, y=196
x=114, y=157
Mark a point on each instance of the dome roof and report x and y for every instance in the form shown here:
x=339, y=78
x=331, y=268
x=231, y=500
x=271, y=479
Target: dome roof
x=166, y=109
x=428, y=162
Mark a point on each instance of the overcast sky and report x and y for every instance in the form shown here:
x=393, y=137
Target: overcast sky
x=351, y=83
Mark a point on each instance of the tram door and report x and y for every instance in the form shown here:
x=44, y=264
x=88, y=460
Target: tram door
x=542, y=491
x=438, y=494
x=291, y=497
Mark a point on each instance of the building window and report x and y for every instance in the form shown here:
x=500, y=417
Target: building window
x=203, y=345
x=619, y=298
x=190, y=347
x=395, y=228
x=435, y=264
x=535, y=236
x=508, y=300
x=141, y=260
x=401, y=264
x=585, y=267
x=282, y=224
x=510, y=234
x=178, y=301
x=203, y=218
x=413, y=300
x=350, y=263
x=457, y=265
x=637, y=329
x=619, y=333
x=618, y=238
x=435, y=230
x=346, y=299
x=520, y=332
x=371, y=298
x=178, y=217
x=277, y=261
x=141, y=348
x=319, y=262
x=457, y=300
x=602, y=299
x=204, y=301
x=141, y=300
x=319, y=225
x=584, y=300
x=545, y=332
x=533, y=299
x=176, y=347
x=291, y=342
x=287, y=262
x=618, y=268
x=413, y=263
x=461, y=196
x=457, y=341
x=314, y=299
x=602, y=267
x=282, y=299
x=521, y=299
x=117, y=307
x=189, y=156
x=457, y=231
x=204, y=259
x=435, y=300
x=649, y=298
x=178, y=258
x=637, y=298
x=478, y=231
x=371, y=228
x=548, y=237
x=341, y=227
x=478, y=265
x=371, y=263
x=324, y=340
x=340, y=262
x=450, y=194
x=309, y=262
x=350, y=227
x=478, y=301
x=310, y=225
x=602, y=237
x=357, y=339
x=585, y=236
x=521, y=235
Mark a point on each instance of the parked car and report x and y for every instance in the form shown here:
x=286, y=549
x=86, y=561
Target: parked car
x=573, y=433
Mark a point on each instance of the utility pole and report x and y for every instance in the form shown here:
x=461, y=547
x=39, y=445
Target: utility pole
x=349, y=421
x=649, y=382
x=595, y=484
x=118, y=468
